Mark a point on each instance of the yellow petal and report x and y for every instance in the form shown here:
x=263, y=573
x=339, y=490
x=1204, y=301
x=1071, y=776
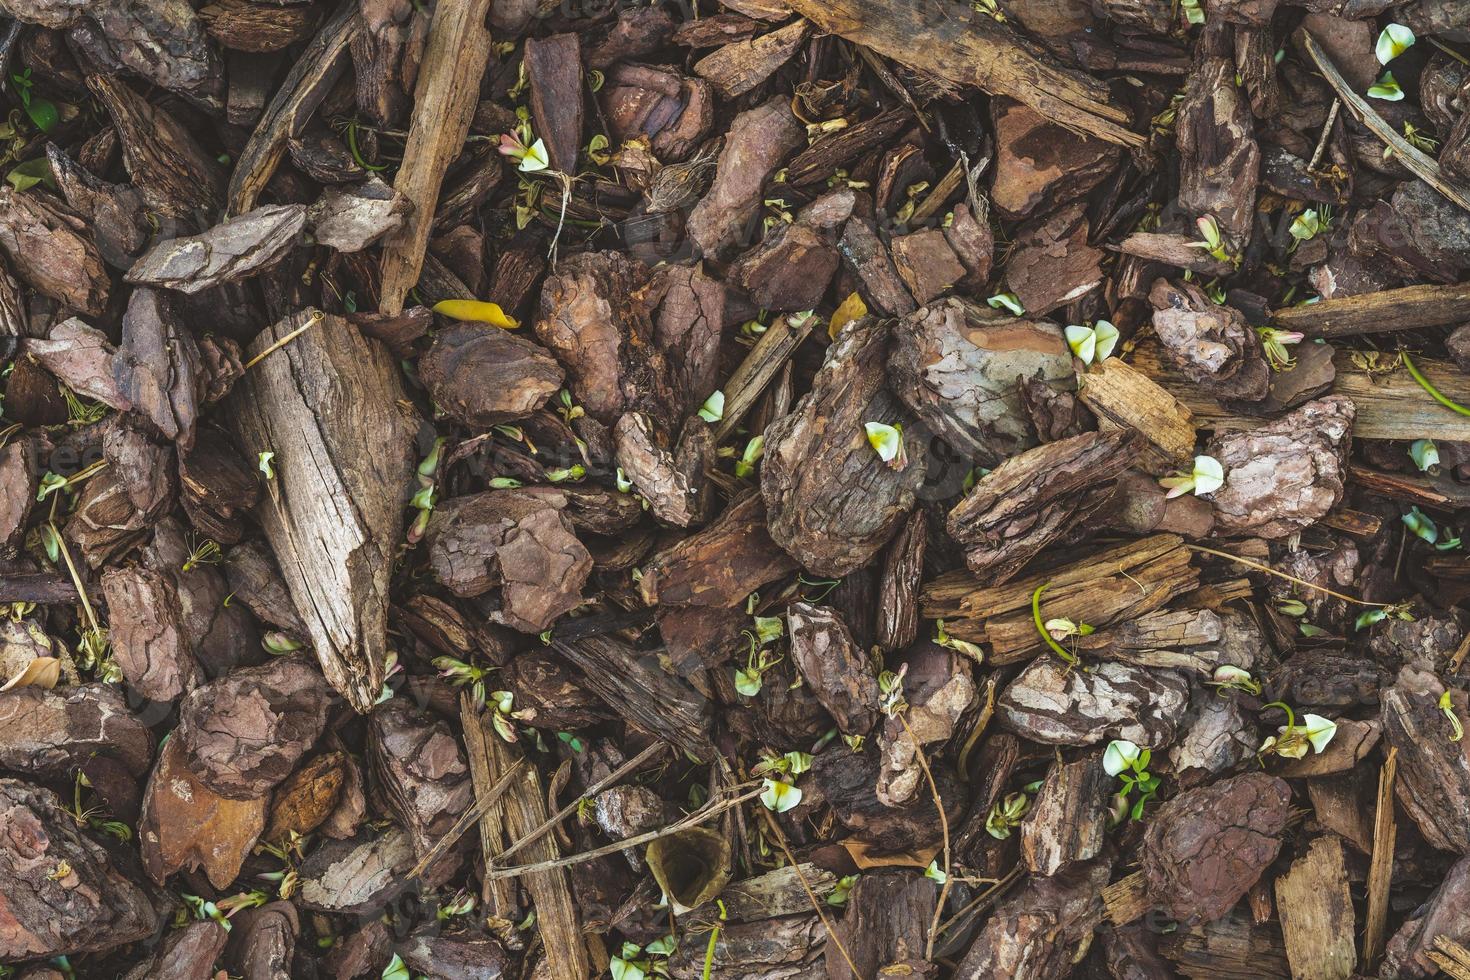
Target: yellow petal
x=477, y=311
x=852, y=308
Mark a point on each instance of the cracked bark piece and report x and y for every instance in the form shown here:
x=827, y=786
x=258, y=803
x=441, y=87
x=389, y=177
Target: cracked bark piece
x=418, y=771
x=793, y=265
x=848, y=783
x=176, y=175
x=1068, y=820
x=217, y=486
x=1215, y=736
x=1433, y=783
x=244, y=733
x=113, y=212
x=687, y=328
x=939, y=688
x=897, y=623
x=926, y=263
x=675, y=113
x=672, y=490
x=638, y=31
x=59, y=892
x=720, y=565
x=884, y=926
x=158, y=367
x=161, y=40
x=244, y=26
x=520, y=542
x=187, y=954
x=18, y=474
x=1204, y=849
x=864, y=253
x=973, y=242
x=831, y=501
x=81, y=357
x=553, y=693
x=50, y=733
x=186, y=825
x=1042, y=929
x=263, y=942
x=52, y=250
x=357, y=876
x=220, y=632
x=554, y=70
x=1218, y=156
x=353, y=217
x=343, y=473
x=1444, y=914
x=235, y=249
x=1285, y=475
x=308, y=796
x=1035, y=498
x=1211, y=344
x=147, y=470
x=833, y=666
x=105, y=522
x=1051, y=263
x=452, y=958
x=737, y=67
x=959, y=366
x=148, y=633
x=595, y=319
x=1054, y=704
x=758, y=142
x=482, y=376
x=1040, y=165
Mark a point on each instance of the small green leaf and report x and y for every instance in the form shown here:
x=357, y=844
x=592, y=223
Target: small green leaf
x=26, y=175
x=43, y=113
x=1007, y=300
x=264, y=464
x=1424, y=453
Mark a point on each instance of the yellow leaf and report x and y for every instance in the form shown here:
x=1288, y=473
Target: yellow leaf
x=41, y=672
x=477, y=311
x=852, y=308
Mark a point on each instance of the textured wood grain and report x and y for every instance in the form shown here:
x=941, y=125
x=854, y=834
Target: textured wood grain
x=1316, y=910
x=327, y=405
x=967, y=49
x=1390, y=406
x=1406, y=308
x=1118, y=392
x=455, y=57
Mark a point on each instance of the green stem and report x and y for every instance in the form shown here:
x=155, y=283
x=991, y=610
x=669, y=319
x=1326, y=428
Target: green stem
x=1290, y=715
x=1433, y=391
x=356, y=154
x=1057, y=648
x=709, y=952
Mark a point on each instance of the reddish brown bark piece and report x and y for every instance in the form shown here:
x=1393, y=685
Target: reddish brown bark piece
x=831, y=501
x=147, y=633
x=485, y=375
x=720, y=565
x=1041, y=929
x=187, y=953
x=518, y=541
x=1033, y=499
x=1069, y=817
x=418, y=770
x=308, y=796
x=52, y=732
x=245, y=732
x=884, y=926
x=674, y=112
x=52, y=250
x=83, y=359
x=186, y=825
x=1212, y=344
x=1205, y=848
x=59, y=892
x=1040, y=165
x=1219, y=158
x=740, y=66
x=958, y=366
x=158, y=367
x=1287, y=474
x=664, y=476
x=1433, y=772
x=596, y=323
x=758, y=142
x=1052, y=263
x=792, y=266
x=833, y=666
x=554, y=69
x=245, y=26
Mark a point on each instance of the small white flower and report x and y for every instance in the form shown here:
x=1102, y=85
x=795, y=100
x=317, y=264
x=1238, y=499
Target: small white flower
x=1119, y=756
x=779, y=796
x=1209, y=476
x=536, y=158
x=1093, y=343
x=1319, y=730
x=1394, y=41
x=1424, y=453
x=886, y=440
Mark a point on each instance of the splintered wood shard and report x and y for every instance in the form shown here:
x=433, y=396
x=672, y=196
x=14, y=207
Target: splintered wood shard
x=326, y=404
x=457, y=52
x=967, y=49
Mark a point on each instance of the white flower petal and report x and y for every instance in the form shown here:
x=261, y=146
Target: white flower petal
x=1107, y=339
x=1083, y=342
x=1392, y=42
x=1119, y=756
x=1319, y=730
x=1209, y=475
x=536, y=158
x=779, y=796
x=885, y=439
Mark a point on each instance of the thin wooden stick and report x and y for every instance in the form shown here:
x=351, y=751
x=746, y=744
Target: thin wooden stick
x=632, y=765
x=316, y=318
x=1290, y=578
x=1326, y=134
x=944, y=829
x=470, y=816
x=709, y=812
x=1380, y=867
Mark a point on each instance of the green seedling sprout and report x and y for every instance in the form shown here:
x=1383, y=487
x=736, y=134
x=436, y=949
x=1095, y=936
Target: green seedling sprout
x=1094, y=343
x=1274, y=343
x=1227, y=677
x=1457, y=731
x=1127, y=761
x=1425, y=455
x=1424, y=383
x=1393, y=41
x=1007, y=814
x=1292, y=741
x=1056, y=647
x=1387, y=88
x=1207, y=476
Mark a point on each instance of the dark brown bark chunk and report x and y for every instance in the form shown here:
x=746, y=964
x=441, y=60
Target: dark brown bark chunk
x=245, y=732
x=884, y=926
x=1212, y=344
x=158, y=366
x=1205, y=848
x=484, y=375
x=1033, y=499
x=418, y=771
x=831, y=501
x=554, y=68
x=1219, y=158
x=521, y=542
x=1041, y=929
x=758, y=142
x=720, y=565
x=50, y=733
x=147, y=632
x=833, y=666
x=52, y=250
x=1433, y=772
x=1039, y=165
x=59, y=892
